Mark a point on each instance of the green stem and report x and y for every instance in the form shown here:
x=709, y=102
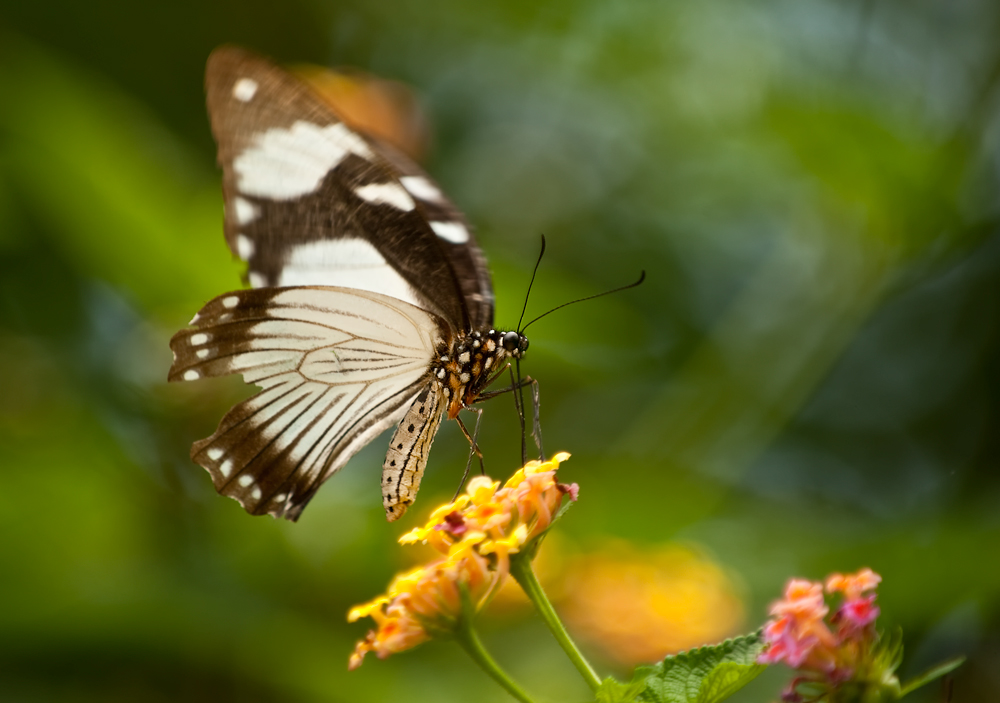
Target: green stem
x=520, y=569
x=467, y=637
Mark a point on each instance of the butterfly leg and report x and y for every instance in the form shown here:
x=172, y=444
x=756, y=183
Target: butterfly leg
x=536, y=424
x=536, y=430
x=473, y=448
x=516, y=386
x=518, y=389
x=526, y=381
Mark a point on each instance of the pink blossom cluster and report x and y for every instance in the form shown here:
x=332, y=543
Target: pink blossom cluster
x=827, y=651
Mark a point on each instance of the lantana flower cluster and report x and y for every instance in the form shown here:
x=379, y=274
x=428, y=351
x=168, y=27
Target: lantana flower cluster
x=829, y=652
x=476, y=533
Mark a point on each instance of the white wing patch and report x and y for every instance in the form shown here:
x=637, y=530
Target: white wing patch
x=283, y=164
x=453, y=232
x=347, y=263
x=336, y=367
x=244, y=247
x=387, y=193
x=244, y=89
x=246, y=212
x=422, y=189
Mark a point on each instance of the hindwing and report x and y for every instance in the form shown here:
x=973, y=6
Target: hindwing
x=336, y=367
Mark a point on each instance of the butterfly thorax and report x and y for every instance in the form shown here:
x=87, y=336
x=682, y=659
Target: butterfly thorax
x=471, y=362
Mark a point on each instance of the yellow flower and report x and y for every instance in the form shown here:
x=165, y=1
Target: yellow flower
x=481, y=489
x=366, y=609
x=504, y=547
x=477, y=533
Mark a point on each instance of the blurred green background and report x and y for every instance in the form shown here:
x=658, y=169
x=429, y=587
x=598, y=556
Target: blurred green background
x=808, y=381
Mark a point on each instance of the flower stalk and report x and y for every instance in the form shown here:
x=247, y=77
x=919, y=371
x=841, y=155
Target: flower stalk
x=465, y=635
x=520, y=569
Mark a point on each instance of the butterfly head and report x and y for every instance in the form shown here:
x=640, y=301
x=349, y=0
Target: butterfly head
x=515, y=343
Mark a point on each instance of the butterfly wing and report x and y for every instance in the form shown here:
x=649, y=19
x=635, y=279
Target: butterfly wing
x=309, y=201
x=336, y=367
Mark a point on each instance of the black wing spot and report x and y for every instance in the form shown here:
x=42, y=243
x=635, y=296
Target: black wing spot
x=399, y=446
x=410, y=428
x=392, y=463
x=422, y=408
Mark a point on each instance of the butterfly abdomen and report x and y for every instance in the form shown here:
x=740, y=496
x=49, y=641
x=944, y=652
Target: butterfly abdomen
x=408, y=451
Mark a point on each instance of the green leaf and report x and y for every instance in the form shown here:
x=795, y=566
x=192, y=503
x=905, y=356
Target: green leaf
x=703, y=675
x=612, y=691
x=934, y=672
x=726, y=679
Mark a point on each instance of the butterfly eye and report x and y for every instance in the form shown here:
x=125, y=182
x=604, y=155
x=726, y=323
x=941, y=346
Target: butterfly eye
x=511, y=341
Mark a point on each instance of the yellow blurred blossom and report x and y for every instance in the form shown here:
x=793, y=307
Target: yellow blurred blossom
x=476, y=533
x=637, y=605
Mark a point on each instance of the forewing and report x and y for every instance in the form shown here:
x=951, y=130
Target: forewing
x=336, y=367
x=309, y=201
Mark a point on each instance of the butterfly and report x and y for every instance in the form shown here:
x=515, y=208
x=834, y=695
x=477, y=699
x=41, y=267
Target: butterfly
x=370, y=303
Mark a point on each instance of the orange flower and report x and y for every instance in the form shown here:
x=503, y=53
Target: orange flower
x=477, y=533
x=853, y=585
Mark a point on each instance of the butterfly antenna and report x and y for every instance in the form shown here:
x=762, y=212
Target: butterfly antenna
x=531, y=283
x=642, y=277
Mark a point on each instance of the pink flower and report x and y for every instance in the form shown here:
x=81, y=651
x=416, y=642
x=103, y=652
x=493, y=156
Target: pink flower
x=570, y=489
x=858, y=613
x=800, y=634
x=803, y=599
